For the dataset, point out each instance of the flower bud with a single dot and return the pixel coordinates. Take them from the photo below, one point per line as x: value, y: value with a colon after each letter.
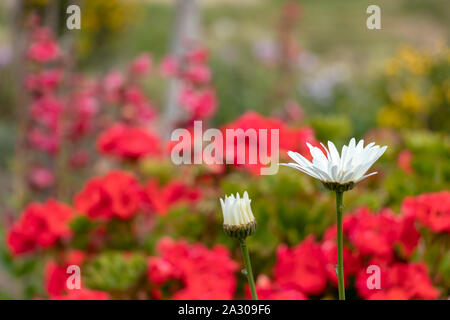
x: 238, y: 219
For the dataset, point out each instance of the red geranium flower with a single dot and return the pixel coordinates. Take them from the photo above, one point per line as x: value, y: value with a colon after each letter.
x: 205, y: 273
x: 398, y: 281
x: 301, y: 267
x: 118, y: 194
x: 432, y: 210
x: 289, y: 138
x: 56, y: 273
x: 40, y: 226
x: 161, y: 199
x: 377, y: 235
x: 128, y: 142
x: 352, y: 262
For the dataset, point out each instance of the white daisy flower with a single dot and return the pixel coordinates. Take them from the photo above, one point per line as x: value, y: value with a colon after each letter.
x: 338, y: 172
x: 238, y: 219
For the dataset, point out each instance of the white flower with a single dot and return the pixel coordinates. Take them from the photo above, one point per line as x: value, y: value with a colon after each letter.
x: 236, y: 210
x: 347, y: 169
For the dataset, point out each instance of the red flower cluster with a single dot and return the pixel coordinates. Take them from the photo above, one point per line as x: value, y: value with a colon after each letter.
x: 432, y: 210
x: 379, y: 235
x: 289, y: 138
x: 352, y: 261
x: 112, y: 86
x: 44, y: 81
x: 127, y: 142
x: 383, y: 239
x: 46, y: 112
x: 40, y: 226
x: 201, y: 104
x: 126, y: 92
x: 44, y: 47
x: 384, y: 236
x: 160, y: 199
x: 301, y: 267
x: 83, y: 107
x: 192, y: 67
x: 56, y: 275
x: 399, y: 281
x: 118, y: 194
x: 136, y: 108
x: 204, y: 273
x: 56, y: 116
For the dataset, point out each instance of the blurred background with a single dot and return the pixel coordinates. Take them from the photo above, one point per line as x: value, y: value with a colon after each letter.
x: 85, y: 121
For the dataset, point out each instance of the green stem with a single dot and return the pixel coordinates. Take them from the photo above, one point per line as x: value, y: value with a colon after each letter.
x: 340, y: 244
x: 248, y: 268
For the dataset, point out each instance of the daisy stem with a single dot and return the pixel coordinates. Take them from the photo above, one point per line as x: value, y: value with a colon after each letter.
x: 340, y: 265
x: 248, y: 268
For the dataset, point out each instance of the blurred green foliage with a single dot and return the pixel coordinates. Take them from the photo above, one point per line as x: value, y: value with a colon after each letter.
x: 115, y: 272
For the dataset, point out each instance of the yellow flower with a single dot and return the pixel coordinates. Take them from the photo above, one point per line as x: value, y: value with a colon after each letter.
x: 414, y: 61
x: 390, y: 116
x: 412, y: 100
x: 392, y: 67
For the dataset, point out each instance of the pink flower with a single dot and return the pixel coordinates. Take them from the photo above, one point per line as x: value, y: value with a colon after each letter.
x: 45, y: 140
x: 141, y: 65
x: 169, y: 66
x: 41, y: 178
x: 43, y: 48
x: 45, y: 81
x: 404, y: 161
x: 136, y: 106
x: 198, y: 73
x: 79, y: 158
x: 47, y: 110
x: 199, y: 56
x: 112, y: 85
x: 199, y: 104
